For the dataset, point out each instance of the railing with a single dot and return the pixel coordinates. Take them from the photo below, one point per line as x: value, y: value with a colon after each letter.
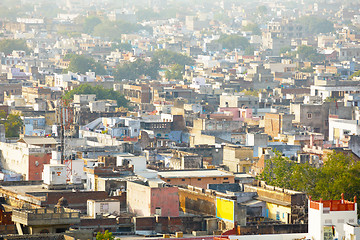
x: 46, y: 213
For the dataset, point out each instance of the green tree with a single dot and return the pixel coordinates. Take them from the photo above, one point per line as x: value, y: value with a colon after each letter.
x: 13, y: 124
x: 261, y: 10
x: 175, y: 72
x: 8, y: 45
x: 121, y: 46
x: 166, y: 57
x: 231, y: 42
x: 309, y: 53
x: 113, y: 30
x: 105, y: 236
x: 339, y: 174
x: 355, y: 74
x: 278, y: 171
x: 285, y: 49
x: 83, y: 64
x: 100, y: 92
x: 252, y: 27
x: 344, y: 175
x: 90, y: 23
x: 134, y: 70
x: 146, y: 15
x: 316, y: 25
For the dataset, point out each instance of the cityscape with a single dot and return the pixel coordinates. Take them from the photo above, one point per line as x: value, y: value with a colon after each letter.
x: 187, y: 119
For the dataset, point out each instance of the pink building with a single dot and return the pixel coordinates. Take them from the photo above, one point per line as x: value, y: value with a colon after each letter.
x: 149, y: 201
x: 238, y: 114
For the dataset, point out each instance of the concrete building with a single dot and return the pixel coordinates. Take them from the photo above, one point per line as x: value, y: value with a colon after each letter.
x: 238, y: 101
x: 144, y: 200
x: 238, y: 158
x: 340, y: 129
x: 101, y: 207
x: 116, y: 127
x: 278, y: 123
x: 44, y: 220
x: 137, y: 93
x: 282, y: 205
x: 34, y: 126
x: 316, y: 116
x: 333, y: 219
x: 27, y: 156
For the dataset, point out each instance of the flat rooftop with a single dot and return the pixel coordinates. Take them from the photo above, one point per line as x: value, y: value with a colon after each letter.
x: 194, y: 173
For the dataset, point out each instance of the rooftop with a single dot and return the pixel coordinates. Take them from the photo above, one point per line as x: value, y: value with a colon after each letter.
x: 334, y: 205
x: 194, y: 173
x: 38, y: 140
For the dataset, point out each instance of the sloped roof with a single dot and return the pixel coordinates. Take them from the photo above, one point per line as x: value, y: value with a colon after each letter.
x: 38, y: 140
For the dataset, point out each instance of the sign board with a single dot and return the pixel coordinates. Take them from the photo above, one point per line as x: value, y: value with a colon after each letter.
x: 225, y: 209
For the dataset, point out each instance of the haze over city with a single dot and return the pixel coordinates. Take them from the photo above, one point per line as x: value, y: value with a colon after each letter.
x: 187, y: 119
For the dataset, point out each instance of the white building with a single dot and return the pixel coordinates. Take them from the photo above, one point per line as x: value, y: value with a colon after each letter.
x: 54, y: 174
x: 333, y: 219
x: 341, y: 128
x: 100, y: 207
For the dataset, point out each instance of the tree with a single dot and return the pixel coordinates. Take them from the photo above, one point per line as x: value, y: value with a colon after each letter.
x: 12, y: 123
x: 339, y: 174
x: 316, y: 25
x: 121, y: 46
x: 166, y: 57
x: 134, y: 70
x: 285, y: 49
x: 90, y: 23
x: 175, y: 72
x: 252, y: 27
x: 8, y: 45
x: 261, y: 10
x: 309, y: 53
x: 146, y: 15
x: 355, y: 74
x: 231, y: 42
x: 100, y: 92
x: 105, y: 236
x: 83, y: 64
x: 277, y: 171
x: 113, y: 30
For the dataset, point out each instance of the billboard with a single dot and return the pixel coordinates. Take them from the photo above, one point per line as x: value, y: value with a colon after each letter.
x: 225, y: 209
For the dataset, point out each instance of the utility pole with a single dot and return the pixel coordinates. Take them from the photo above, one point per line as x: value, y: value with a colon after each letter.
x: 62, y: 132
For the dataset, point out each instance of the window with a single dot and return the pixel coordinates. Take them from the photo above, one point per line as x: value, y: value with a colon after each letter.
x: 168, y: 180
x: 183, y: 180
x: 328, y: 221
x: 214, y: 178
x: 199, y: 179
x: 278, y: 216
x: 309, y: 115
x: 104, y: 207
x: 225, y: 178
